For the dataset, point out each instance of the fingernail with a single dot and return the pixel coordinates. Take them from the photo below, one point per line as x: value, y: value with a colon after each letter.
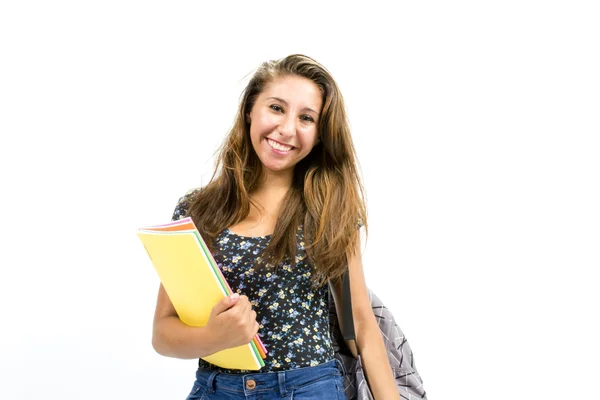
x: 235, y: 296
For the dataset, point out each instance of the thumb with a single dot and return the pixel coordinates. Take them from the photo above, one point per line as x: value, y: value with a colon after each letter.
x: 225, y: 303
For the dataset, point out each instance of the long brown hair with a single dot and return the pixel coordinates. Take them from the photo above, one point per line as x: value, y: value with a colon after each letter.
x: 326, y: 196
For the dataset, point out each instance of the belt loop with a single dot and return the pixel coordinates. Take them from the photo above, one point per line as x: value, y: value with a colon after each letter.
x: 341, y: 366
x: 282, y: 389
x: 210, y: 383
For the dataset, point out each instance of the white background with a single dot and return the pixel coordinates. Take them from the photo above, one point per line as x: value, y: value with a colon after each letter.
x: 476, y: 124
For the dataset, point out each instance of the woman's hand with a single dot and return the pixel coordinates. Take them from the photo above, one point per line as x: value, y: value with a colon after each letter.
x: 232, y: 322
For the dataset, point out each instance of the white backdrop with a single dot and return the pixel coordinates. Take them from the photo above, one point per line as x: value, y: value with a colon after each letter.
x: 476, y: 124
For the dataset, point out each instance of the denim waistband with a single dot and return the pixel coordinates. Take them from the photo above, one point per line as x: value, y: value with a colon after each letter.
x: 282, y: 381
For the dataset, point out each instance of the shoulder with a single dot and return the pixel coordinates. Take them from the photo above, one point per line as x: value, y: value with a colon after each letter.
x: 183, y: 204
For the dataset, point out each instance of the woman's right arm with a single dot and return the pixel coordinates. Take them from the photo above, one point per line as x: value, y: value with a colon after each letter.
x: 232, y: 323
x: 173, y: 338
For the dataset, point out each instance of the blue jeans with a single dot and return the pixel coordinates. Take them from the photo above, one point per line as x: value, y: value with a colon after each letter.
x: 323, y: 382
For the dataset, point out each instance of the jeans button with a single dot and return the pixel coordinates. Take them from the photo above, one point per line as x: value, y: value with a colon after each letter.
x: 250, y: 384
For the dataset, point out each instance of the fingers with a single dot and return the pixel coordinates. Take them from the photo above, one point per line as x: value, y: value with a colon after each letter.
x: 243, y: 309
x: 256, y: 328
x: 243, y: 306
x: 225, y: 304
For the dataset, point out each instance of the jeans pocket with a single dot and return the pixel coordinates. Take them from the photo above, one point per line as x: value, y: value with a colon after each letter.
x: 339, y: 381
x: 198, y: 391
x: 329, y: 387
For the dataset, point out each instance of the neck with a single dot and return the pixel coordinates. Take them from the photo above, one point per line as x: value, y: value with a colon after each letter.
x: 273, y: 188
x: 276, y: 182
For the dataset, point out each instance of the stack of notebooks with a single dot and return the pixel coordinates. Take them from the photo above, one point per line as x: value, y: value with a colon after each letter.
x: 195, y: 284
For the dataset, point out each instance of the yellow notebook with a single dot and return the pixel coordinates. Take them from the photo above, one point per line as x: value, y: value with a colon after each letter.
x: 195, y: 284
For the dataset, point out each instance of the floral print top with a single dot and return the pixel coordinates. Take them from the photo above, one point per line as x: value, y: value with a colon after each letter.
x: 293, y: 317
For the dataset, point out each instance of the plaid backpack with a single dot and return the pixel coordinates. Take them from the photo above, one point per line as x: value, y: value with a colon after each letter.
x: 408, y: 380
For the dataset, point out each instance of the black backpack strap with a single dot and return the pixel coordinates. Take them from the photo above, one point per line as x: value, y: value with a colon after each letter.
x: 348, y: 325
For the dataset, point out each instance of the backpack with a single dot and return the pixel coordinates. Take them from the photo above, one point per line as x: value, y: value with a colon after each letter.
x: 408, y: 380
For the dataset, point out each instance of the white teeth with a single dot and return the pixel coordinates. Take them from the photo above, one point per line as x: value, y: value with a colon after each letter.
x: 278, y: 146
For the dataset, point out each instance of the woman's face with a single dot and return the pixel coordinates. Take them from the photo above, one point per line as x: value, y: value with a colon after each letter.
x: 283, y: 122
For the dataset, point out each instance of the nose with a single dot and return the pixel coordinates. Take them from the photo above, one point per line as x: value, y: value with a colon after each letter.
x: 287, y: 126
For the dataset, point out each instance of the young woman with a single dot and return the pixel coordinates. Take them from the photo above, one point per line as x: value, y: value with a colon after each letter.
x: 281, y: 216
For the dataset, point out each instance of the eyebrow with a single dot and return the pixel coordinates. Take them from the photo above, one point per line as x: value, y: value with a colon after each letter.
x: 285, y: 102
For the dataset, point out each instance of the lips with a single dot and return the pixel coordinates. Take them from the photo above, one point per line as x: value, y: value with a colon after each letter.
x: 279, y: 146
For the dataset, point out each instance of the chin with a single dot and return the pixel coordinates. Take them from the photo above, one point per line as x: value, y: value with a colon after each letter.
x: 276, y: 167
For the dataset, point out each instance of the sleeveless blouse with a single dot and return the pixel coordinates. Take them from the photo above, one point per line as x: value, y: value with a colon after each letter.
x: 293, y: 316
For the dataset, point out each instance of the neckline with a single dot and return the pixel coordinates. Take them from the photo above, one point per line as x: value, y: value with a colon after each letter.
x: 231, y: 233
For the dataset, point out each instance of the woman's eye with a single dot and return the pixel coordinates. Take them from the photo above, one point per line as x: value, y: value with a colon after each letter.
x: 277, y: 108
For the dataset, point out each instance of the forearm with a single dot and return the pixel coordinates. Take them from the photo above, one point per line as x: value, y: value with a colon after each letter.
x: 173, y: 338
x: 375, y: 361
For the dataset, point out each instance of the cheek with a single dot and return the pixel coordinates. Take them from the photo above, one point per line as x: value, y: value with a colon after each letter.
x: 252, y: 133
x: 255, y: 135
x: 264, y: 121
x: 258, y: 126
x: 309, y: 138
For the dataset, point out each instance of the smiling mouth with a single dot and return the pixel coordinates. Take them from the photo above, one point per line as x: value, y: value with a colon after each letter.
x: 278, y: 146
